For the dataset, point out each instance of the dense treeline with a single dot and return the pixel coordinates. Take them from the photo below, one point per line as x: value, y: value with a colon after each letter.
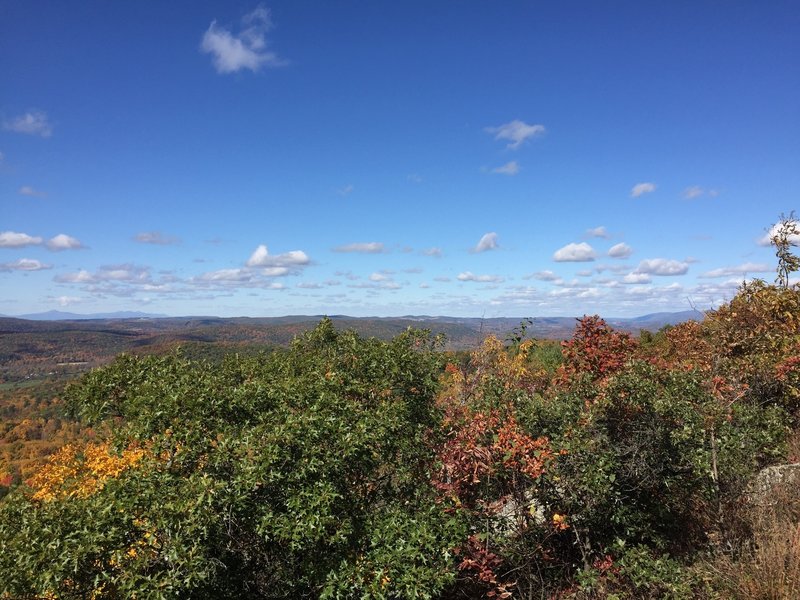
x: 611, y: 467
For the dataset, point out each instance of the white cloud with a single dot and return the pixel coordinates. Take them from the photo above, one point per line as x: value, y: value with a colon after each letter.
x: 262, y: 258
x: 155, y: 237
x: 692, y: 192
x: 81, y: 276
x: 435, y: 252
x: 24, y: 264
x: 362, y: 247
x: 510, y: 168
x: 227, y: 275
x: 442, y: 279
x: 636, y: 278
x: 124, y: 273
x: 487, y: 242
x: 247, y: 49
x: 642, y: 188
x: 33, y: 122
x: 738, y: 270
x: 543, y: 276
x: 27, y: 190
x: 621, y: 250
x: 63, y: 242
x: 582, y: 252
x: 597, y: 232
x: 573, y: 293
x: 662, y: 267
x: 67, y: 300
x: 516, y: 132
x: 379, y: 277
x: 415, y: 178
x: 469, y: 276
x: 376, y: 285
x: 347, y: 190
x: 766, y: 240
x: 12, y: 239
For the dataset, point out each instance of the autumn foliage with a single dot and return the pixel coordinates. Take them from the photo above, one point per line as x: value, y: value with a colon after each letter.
x: 595, y: 350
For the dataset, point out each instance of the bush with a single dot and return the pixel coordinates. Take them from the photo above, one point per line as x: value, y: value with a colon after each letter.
x: 301, y: 473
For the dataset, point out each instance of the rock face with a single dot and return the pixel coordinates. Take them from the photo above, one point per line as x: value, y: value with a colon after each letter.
x: 769, y: 477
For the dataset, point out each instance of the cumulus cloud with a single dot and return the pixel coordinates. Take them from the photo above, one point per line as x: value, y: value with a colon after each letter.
x: 435, y: 252
x: 376, y: 285
x: 738, y: 270
x: 33, y: 122
x: 12, y: 239
x: 546, y: 275
x: 82, y: 276
x: 67, y: 300
x: 582, y: 252
x: 766, y: 240
x: 27, y: 190
x: 573, y: 293
x: 262, y: 258
x: 414, y: 178
x: 63, y: 241
x: 487, y: 242
x: 597, y: 232
x: 123, y: 273
x: 245, y: 50
x: 227, y: 275
x: 155, y: 237
x: 636, y: 278
x: 642, y: 188
x: 621, y: 250
x: 380, y: 277
x: 510, y: 168
x: 361, y: 247
x: 469, y: 276
x: 662, y: 267
x: 24, y: 264
x: 516, y: 132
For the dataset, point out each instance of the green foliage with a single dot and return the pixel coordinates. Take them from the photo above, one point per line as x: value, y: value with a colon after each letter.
x: 636, y: 460
x: 638, y: 572
x: 304, y: 472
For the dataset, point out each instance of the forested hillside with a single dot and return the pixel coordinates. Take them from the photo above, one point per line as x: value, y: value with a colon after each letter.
x: 342, y: 466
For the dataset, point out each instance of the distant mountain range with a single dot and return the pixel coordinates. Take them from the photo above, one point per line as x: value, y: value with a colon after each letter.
x: 541, y: 325
x: 57, y: 315
x: 461, y: 331
x: 68, y: 344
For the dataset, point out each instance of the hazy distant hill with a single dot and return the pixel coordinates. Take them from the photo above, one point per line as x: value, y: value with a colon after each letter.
x: 57, y: 315
x: 51, y: 343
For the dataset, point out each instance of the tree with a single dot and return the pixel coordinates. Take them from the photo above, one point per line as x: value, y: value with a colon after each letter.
x: 784, y: 237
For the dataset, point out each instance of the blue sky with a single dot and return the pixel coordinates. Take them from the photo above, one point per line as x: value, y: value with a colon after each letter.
x: 374, y: 158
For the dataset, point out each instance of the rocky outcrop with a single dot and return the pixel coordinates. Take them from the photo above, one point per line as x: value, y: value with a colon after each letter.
x: 769, y: 477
